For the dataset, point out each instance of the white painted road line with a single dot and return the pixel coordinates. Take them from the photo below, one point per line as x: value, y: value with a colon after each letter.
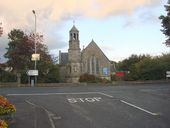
x: 105, y: 94
x: 35, y: 117
x: 82, y: 100
x: 151, y: 113
x: 44, y: 94
x: 48, y: 113
x: 47, y: 94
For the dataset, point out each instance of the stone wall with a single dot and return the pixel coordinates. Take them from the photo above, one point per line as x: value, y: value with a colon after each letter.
x: 92, y: 54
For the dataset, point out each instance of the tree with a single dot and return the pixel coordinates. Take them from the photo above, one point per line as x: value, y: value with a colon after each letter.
x: 146, y: 67
x: 165, y: 20
x: 1, y: 29
x: 128, y: 64
x: 19, y: 52
x: 47, y: 67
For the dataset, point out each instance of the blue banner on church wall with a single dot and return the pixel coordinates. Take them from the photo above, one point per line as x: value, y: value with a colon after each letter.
x: 105, y: 71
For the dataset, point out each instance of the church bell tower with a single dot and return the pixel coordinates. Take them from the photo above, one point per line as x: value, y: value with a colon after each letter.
x: 74, y: 56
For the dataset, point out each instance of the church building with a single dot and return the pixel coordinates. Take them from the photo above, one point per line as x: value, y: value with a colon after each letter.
x: 90, y: 60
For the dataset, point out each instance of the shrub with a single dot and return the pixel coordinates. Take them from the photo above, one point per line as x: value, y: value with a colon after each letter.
x: 3, y: 124
x: 92, y: 79
x: 104, y: 80
x: 5, y: 106
x: 87, y: 78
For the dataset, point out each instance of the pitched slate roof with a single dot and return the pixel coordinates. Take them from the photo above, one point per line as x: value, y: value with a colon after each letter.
x: 63, y: 58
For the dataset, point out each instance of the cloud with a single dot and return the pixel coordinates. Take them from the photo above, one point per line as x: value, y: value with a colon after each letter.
x: 18, y: 10
x: 107, y: 48
x: 18, y: 13
x: 3, y: 46
x: 52, y: 13
x: 149, y: 14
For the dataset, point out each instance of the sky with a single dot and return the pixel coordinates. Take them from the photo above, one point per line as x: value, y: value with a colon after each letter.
x: 119, y: 27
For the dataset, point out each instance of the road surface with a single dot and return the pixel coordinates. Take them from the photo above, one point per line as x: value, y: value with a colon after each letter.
x: 91, y: 106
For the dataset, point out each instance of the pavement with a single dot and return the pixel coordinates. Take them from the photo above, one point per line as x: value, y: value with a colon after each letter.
x: 91, y: 106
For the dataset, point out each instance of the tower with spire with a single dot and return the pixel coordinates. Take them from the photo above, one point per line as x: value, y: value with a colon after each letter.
x: 74, y: 56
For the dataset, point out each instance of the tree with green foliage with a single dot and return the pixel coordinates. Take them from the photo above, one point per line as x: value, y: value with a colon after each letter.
x: 146, y: 67
x: 165, y: 20
x: 128, y: 64
x: 7, y: 76
x: 19, y: 52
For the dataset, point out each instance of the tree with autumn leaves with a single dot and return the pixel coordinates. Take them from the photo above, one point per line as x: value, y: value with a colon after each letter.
x: 19, y: 52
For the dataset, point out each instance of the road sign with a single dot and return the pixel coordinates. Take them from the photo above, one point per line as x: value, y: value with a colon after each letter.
x: 32, y: 72
x: 167, y: 74
x: 35, y: 57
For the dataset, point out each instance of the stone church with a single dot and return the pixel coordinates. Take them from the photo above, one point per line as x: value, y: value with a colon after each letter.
x: 90, y: 60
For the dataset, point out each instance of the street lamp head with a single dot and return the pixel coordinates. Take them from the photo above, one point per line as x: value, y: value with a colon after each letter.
x: 33, y: 11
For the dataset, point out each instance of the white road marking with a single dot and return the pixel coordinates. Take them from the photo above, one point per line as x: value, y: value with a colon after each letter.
x: 74, y: 100
x: 48, y: 113
x: 31, y: 103
x: 35, y: 120
x: 44, y: 94
x: 105, y: 94
x: 132, y: 105
x: 88, y: 99
x: 57, y: 118
x: 74, y: 93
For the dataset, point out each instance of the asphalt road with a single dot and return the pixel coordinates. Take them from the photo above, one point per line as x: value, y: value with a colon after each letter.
x: 141, y: 106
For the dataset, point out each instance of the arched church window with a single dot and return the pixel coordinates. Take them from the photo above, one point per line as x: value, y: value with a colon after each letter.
x: 77, y: 36
x: 93, y: 66
x: 88, y: 65
x: 97, y: 66
x: 71, y: 35
x: 74, y: 36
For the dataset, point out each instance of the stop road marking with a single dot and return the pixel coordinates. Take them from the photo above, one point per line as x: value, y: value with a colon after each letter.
x: 75, y: 100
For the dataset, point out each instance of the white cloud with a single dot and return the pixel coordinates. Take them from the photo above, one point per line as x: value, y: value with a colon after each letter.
x: 52, y: 13
x: 17, y: 11
x: 107, y: 48
x: 3, y: 46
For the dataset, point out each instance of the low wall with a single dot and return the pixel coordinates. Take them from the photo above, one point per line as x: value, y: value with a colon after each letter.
x: 41, y: 84
x: 84, y: 84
